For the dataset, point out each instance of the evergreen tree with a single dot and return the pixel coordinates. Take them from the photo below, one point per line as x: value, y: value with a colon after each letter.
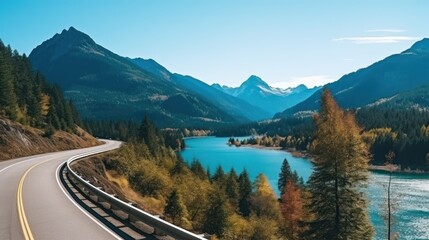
x: 216, y: 220
x: 7, y: 95
x: 27, y: 98
x: 198, y: 169
x: 148, y: 134
x: 245, y: 192
x: 285, y: 175
x: 219, y: 177
x: 232, y: 188
x: 179, y: 166
x: 339, y: 177
x: 175, y: 209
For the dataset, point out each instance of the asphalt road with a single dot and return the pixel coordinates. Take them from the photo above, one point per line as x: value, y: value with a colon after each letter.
x: 33, y: 205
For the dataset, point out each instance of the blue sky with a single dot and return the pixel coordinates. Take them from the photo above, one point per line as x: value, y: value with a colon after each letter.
x: 226, y: 41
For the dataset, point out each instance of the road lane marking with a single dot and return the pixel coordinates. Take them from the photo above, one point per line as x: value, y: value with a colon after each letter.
x: 44, y: 155
x: 20, y: 204
x: 17, y: 163
x: 57, y: 174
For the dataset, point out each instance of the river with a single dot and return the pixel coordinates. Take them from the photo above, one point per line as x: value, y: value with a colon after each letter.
x: 410, y: 192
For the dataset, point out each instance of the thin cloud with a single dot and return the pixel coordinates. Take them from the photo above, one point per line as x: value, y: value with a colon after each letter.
x: 375, y: 40
x: 386, y: 30
x: 309, y: 81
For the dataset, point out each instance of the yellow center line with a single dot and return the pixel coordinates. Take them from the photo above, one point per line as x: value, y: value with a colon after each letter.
x: 20, y: 204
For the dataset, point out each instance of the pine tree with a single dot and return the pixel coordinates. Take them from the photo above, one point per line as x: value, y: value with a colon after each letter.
x: 179, y: 166
x: 198, y: 169
x: 7, y: 95
x: 175, y: 209
x: 339, y: 177
x: 216, y: 220
x: 147, y: 134
x: 245, y: 192
x: 285, y: 175
x: 219, y: 177
x: 232, y: 188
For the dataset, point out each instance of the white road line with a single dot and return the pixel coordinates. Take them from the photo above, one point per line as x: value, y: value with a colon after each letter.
x: 57, y: 173
x: 17, y: 163
x: 32, y: 159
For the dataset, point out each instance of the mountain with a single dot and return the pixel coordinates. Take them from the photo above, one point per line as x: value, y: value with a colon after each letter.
x: 230, y: 104
x: 392, y: 75
x: 104, y: 85
x: 257, y: 92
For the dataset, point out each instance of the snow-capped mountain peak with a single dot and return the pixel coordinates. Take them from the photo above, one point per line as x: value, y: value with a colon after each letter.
x: 261, y: 94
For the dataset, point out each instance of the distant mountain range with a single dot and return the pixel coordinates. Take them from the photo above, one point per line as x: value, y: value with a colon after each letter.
x: 104, y: 85
x: 384, y: 79
x: 257, y: 92
x: 230, y: 104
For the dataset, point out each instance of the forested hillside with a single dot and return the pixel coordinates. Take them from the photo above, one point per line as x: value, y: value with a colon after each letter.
x: 31, y: 112
x: 27, y: 98
x: 222, y: 203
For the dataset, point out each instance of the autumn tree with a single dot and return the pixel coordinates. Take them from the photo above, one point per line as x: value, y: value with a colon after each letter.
x: 264, y: 201
x: 340, y: 174
x: 265, y: 210
x: 291, y: 207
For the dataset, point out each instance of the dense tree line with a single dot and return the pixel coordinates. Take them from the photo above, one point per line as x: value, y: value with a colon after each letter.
x: 402, y: 131
x: 301, y: 143
x: 294, y: 126
x: 26, y: 97
x: 114, y: 129
x: 128, y: 131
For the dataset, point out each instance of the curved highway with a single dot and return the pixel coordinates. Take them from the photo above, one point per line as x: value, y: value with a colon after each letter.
x: 33, y: 205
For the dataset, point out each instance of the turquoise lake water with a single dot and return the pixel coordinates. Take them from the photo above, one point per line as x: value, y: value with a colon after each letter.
x: 410, y: 192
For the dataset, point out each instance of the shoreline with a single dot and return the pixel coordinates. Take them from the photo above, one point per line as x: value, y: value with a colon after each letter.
x: 309, y: 157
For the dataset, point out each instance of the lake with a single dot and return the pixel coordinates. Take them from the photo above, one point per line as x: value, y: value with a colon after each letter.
x: 410, y: 192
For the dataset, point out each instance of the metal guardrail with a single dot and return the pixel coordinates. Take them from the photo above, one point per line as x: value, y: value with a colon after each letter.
x: 134, y: 214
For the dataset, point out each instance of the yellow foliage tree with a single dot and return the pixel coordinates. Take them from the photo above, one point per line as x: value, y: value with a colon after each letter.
x: 264, y: 200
